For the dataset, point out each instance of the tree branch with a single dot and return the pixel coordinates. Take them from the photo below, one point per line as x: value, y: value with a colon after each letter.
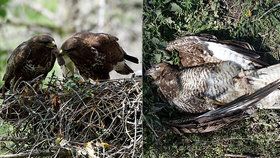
x: 22, y: 155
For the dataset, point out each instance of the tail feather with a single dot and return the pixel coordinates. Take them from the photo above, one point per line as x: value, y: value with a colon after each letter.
x: 263, y: 76
x: 123, y: 68
x: 215, y: 119
x: 131, y: 58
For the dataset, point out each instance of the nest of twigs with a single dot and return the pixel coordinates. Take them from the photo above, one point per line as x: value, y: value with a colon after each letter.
x: 70, y: 118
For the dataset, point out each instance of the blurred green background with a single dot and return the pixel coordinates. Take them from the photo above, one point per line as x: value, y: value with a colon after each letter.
x: 254, y: 21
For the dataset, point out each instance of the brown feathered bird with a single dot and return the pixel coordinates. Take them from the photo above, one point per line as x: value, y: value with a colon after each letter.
x: 222, y: 91
x: 203, y: 88
x: 199, y: 50
x: 96, y: 54
x: 31, y: 59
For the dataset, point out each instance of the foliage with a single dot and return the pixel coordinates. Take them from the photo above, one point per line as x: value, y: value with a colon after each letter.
x: 3, y: 11
x: 256, y: 22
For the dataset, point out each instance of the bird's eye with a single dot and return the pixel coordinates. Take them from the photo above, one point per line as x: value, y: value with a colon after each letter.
x: 157, y: 67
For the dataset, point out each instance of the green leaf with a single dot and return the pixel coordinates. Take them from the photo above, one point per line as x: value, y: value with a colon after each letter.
x: 176, y: 8
x: 158, y: 57
x: 169, y: 20
x: 3, y: 12
x: 155, y: 40
x: 166, y: 1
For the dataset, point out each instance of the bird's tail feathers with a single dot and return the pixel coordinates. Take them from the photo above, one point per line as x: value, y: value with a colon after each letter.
x: 123, y: 68
x: 264, y: 76
x: 131, y: 58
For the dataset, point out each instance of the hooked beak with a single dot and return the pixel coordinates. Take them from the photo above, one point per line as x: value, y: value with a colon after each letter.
x: 59, y: 57
x: 61, y: 52
x: 52, y: 45
x: 149, y: 72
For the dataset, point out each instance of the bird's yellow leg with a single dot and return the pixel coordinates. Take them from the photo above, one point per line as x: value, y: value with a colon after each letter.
x: 218, y: 103
x: 214, y: 102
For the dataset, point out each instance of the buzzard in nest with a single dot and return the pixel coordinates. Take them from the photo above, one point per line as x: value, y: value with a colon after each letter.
x: 213, y: 86
x: 96, y: 54
x: 198, y: 50
x: 31, y: 59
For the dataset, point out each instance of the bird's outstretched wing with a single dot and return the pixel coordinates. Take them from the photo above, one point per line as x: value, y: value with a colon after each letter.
x: 220, y: 117
x: 198, y: 50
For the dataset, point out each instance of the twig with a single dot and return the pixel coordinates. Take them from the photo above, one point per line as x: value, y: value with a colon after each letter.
x: 236, y: 156
x: 23, y: 155
x: 107, y: 112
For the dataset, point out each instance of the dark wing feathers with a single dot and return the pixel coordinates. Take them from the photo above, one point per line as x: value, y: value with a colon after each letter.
x: 123, y: 68
x: 104, y: 38
x: 248, y: 54
x: 16, y: 60
x: 131, y: 58
x: 97, y: 54
x: 242, y: 103
x: 29, y: 60
x: 90, y: 38
x: 238, y: 44
x: 203, y: 42
x: 224, y: 115
x: 240, y: 47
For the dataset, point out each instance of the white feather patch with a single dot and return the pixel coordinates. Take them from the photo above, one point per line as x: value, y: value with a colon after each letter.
x: 225, y: 54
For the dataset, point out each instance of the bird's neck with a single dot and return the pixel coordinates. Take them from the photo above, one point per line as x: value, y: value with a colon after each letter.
x: 168, y: 84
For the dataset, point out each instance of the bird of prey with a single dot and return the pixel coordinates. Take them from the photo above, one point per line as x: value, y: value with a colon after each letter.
x: 198, y: 50
x: 203, y: 88
x: 96, y: 54
x: 31, y: 59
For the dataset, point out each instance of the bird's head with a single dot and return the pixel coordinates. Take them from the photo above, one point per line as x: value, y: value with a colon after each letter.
x: 69, y: 45
x: 44, y: 39
x: 158, y: 70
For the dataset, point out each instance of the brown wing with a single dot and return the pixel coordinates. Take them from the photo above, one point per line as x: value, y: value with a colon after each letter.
x: 198, y: 50
x: 108, y: 54
x: 96, y: 39
x: 223, y: 116
x: 191, y: 52
x: 16, y: 61
x: 108, y: 41
x: 30, y: 60
x: 103, y: 43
